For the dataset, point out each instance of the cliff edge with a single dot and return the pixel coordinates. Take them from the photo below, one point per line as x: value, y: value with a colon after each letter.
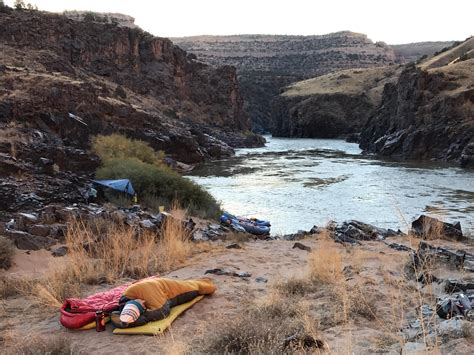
x: 429, y: 112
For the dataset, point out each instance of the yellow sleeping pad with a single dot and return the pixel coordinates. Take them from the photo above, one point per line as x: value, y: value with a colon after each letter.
x: 159, y: 326
x: 91, y: 325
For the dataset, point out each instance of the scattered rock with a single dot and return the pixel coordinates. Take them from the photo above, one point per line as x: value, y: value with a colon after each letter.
x: 453, y: 285
x: 218, y: 271
x: 40, y: 230
x: 414, y: 348
x: 458, y: 258
x: 426, y: 277
x: 261, y: 279
x: 301, y: 246
x: 234, y: 246
x: 60, y: 251
x: 147, y: 224
x: 342, y: 238
x: 244, y: 274
x: 26, y: 241
x: 302, y: 234
x: 400, y: 247
x: 426, y: 311
x: 451, y: 328
x: 363, y: 231
x: 211, y: 232
x: 28, y: 217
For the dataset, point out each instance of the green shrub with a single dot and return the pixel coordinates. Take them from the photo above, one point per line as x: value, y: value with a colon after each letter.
x: 118, y: 146
x: 154, y: 182
x: 6, y: 253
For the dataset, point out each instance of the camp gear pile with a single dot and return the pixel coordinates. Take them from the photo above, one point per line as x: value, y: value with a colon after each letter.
x: 250, y: 225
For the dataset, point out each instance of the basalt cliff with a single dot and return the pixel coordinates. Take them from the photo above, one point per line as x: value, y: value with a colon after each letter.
x: 332, y: 105
x: 63, y: 81
x: 429, y: 112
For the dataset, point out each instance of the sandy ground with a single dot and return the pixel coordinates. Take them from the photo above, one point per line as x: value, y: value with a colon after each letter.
x: 373, y: 265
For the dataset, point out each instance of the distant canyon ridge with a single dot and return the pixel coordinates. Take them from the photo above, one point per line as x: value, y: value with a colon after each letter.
x: 266, y: 64
x: 409, y: 101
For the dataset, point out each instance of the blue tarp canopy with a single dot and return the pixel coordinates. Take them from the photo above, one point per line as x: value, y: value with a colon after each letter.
x: 124, y: 185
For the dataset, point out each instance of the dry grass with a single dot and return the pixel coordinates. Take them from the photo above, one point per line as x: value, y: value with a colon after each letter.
x: 102, y: 252
x: 17, y: 344
x: 174, y: 246
x: 381, y: 301
x: 294, y: 287
x: 325, y: 262
x: 239, y: 237
x: 7, y: 251
x: 265, y: 328
x: 10, y: 287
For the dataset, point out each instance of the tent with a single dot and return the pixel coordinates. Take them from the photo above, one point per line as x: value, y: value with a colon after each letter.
x: 124, y: 185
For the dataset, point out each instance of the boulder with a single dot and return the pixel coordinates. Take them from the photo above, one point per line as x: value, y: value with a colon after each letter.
x: 301, y: 246
x: 427, y: 227
x: 457, y: 258
x: 60, y: 251
x: 40, y: 230
x: 361, y: 231
x: 26, y: 241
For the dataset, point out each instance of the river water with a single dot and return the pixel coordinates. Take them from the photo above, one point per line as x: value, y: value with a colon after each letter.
x: 298, y: 183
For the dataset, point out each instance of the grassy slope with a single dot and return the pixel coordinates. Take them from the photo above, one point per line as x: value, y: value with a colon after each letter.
x: 450, y: 56
x: 349, y: 81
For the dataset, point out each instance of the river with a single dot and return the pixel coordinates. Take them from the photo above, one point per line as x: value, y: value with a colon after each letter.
x: 298, y: 183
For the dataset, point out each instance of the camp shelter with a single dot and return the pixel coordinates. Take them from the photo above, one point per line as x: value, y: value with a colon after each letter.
x: 123, y: 185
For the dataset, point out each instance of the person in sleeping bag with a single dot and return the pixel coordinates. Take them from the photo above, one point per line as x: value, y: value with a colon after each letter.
x: 152, y: 299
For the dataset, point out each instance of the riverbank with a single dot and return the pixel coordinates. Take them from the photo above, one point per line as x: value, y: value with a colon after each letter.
x: 296, y: 183
x: 328, y: 297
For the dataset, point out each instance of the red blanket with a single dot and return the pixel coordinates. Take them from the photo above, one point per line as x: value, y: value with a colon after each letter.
x: 76, y: 313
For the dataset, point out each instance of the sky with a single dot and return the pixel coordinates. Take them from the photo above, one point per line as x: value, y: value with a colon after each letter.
x: 394, y: 22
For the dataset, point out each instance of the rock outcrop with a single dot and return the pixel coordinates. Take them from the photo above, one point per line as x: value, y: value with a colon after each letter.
x: 332, y: 105
x: 115, y: 78
x: 429, y: 112
x: 266, y: 64
x: 63, y: 81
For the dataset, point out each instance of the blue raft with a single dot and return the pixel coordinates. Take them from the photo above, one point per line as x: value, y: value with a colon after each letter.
x: 249, y: 225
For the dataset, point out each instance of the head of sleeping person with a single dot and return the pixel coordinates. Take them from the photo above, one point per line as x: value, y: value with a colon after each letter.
x: 132, y: 311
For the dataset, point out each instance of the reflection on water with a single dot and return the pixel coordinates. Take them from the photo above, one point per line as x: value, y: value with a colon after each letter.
x: 297, y: 183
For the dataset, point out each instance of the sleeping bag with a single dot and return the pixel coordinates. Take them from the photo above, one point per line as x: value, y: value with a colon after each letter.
x: 76, y: 313
x: 159, y: 294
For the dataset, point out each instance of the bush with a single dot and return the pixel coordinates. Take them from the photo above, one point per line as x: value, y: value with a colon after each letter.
x: 6, y: 253
x: 118, y: 146
x: 155, y: 183
x: 19, y: 4
x: 165, y: 184
x: 278, y: 326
